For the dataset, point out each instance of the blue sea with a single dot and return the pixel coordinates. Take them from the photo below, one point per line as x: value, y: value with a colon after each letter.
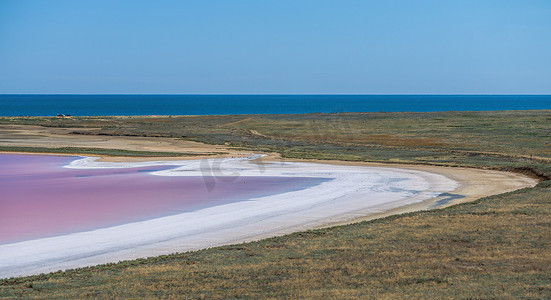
x: 127, y: 105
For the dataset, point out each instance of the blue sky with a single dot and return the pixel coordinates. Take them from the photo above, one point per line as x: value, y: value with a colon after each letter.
x: 276, y: 47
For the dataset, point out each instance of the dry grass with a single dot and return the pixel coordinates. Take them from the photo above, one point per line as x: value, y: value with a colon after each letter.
x: 497, y: 247
x: 412, y: 136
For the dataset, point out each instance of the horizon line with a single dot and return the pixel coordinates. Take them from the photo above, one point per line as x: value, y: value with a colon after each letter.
x: 261, y: 94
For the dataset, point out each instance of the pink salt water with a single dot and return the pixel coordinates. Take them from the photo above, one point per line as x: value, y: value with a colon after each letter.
x: 39, y: 198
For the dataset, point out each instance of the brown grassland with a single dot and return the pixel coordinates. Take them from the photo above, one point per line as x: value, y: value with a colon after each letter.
x: 495, y: 247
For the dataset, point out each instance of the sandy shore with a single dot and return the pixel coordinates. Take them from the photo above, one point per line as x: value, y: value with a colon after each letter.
x: 356, y: 191
x: 51, y: 137
x: 351, y: 193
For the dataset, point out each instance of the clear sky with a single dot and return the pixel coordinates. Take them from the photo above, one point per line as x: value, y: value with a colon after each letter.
x: 279, y: 46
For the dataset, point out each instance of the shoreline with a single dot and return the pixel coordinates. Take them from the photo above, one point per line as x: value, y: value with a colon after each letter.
x: 468, y: 185
x: 472, y: 183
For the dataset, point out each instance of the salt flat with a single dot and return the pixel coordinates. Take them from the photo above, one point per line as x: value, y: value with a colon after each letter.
x: 349, y: 193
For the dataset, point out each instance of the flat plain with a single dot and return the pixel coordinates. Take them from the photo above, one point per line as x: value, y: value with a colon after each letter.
x: 497, y: 246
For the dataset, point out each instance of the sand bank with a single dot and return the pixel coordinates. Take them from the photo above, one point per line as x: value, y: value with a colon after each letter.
x: 52, y: 137
x: 353, y: 192
x: 356, y: 191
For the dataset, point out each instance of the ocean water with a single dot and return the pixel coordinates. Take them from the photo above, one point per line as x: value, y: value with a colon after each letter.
x: 126, y: 105
x: 39, y: 198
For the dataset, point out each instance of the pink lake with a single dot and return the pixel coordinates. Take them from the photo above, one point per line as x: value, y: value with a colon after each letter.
x: 40, y: 198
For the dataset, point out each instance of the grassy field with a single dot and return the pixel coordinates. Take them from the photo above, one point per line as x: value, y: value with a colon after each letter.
x: 496, y: 247
x: 435, y: 138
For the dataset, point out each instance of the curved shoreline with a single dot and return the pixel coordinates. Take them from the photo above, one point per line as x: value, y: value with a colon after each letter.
x: 333, y: 200
x: 277, y: 215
